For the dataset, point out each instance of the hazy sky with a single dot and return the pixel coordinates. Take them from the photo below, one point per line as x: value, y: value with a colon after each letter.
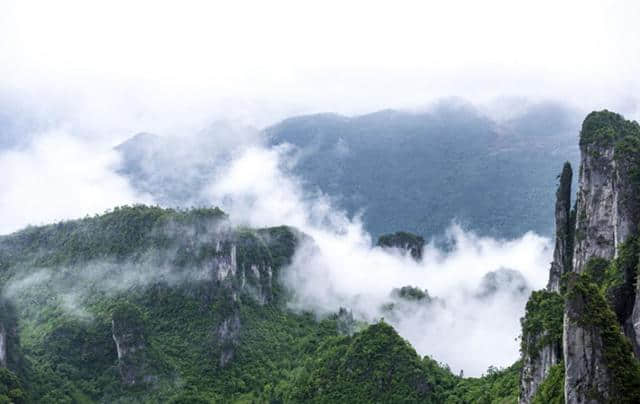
x: 259, y: 61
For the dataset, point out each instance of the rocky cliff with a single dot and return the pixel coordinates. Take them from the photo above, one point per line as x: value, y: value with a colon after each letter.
x: 541, y: 344
x: 606, y: 207
x: 565, y: 222
x: 3, y: 346
x: 131, y: 344
x: 587, y: 375
x: 607, y: 217
x: 10, y: 352
x: 158, y: 292
x: 594, y: 268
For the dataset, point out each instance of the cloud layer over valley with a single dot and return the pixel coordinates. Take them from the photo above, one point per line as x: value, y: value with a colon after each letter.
x: 78, y: 82
x: 70, y: 176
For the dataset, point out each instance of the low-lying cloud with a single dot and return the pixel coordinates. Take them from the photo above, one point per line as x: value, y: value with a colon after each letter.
x: 478, y: 285
x: 481, y: 284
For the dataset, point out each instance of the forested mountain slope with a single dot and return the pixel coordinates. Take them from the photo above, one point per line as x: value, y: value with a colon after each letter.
x: 144, y: 304
x: 420, y: 171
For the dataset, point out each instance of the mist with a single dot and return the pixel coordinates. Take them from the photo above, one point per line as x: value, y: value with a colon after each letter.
x: 57, y: 176
x: 74, y: 89
x: 234, y: 168
x: 480, y: 285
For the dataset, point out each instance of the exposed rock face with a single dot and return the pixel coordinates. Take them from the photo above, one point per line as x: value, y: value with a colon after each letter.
x: 605, y: 209
x: 632, y: 327
x: 244, y: 265
x: 607, y: 216
x: 537, y: 363
x: 227, y: 333
x: 408, y: 242
x: 243, y: 269
x: 10, y: 352
x: 535, y: 369
x: 541, y: 344
x: 597, y: 241
x: 3, y: 346
x: 128, y: 334
x: 596, y: 230
x: 563, y: 251
x: 587, y: 377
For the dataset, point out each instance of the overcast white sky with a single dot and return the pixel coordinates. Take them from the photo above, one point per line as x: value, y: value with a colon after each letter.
x: 261, y: 60
x: 98, y: 72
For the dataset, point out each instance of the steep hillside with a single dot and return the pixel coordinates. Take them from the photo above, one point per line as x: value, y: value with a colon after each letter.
x: 144, y: 304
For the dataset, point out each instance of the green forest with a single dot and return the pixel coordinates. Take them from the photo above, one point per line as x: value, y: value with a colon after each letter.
x: 63, y: 314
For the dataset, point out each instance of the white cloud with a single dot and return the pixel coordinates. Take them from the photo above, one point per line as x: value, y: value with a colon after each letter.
x: 105, y: 72
x: 341, y: 269
x: 260, y: 61
x: 59, y: 176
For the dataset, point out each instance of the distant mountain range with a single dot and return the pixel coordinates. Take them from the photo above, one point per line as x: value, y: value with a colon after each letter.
x: 414, y: 171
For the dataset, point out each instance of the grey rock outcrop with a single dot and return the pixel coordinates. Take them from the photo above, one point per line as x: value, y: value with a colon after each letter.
x: 129, y: 336
x: 587, y: 378
x: 596, y: 208
x: 243, y: 269
x: 596, y: 328
x: 536, y: 368
x: 565, y: 222
x: 536, y: 365
x: 3, y: 346
x: 541, y: 343
x: 606, y: 216
x: 233, y: 270
x: 227, y: 334
x: 10, y: 351
x: 633, y: 324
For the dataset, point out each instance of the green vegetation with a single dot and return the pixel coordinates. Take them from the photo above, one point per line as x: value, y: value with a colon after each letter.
x: 374, y: 365
x: 619, y: 283
x: 617, y: 278
x: 595, y: 314
x: 143, y: 274
x: 141, y: 267
x: 542, y: 322
x: 405, y: 241
x: 420, y: 171
x: 551, y: 390
x: 596, y: 269
x: 411, y: 293
x: 11, y: 389
x: 497, y: 386
x: 605, y: 128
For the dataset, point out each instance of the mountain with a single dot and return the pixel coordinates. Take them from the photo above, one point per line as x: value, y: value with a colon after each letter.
x: 143, y: 304
x: 411, y: 171
x: 176, y: 170
x: 581, y: 336
x: 420, y: 171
